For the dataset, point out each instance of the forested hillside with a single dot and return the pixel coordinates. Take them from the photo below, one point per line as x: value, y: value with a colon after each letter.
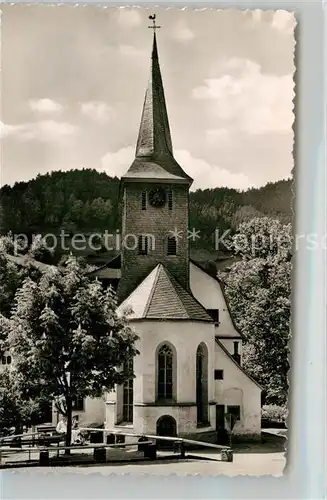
x: 87, y: 201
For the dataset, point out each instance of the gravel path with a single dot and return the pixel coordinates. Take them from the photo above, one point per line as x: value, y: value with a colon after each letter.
x: 254, y: 464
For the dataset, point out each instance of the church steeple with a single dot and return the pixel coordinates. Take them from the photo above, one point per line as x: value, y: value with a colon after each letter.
x: 155, y: 194
x: 154, y: 157
x: 154, y: 138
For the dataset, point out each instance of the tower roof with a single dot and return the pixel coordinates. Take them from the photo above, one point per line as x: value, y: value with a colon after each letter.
x: 154, y: 134
x: 154, y: 157
x: 160, y: 296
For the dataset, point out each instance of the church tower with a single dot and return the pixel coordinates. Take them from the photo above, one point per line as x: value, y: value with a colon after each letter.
x: 155, y: 196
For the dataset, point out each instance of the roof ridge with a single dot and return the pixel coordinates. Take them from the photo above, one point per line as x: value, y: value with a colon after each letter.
x: 224, y: 295
x: 235, y: 362
x: 103, y: 266
x: 148, y: 303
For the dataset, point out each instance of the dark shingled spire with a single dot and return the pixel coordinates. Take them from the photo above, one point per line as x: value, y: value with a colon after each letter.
x: 154, y: 158
x: 154, y: 135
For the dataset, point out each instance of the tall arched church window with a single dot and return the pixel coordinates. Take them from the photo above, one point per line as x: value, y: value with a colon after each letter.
x: 202, y: 384
x: 128, y: 396
x: 165, y: 372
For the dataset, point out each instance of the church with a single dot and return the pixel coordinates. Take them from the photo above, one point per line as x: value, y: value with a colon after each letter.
x: 189, y: 379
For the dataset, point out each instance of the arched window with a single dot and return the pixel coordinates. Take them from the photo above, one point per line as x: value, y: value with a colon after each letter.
x: 165, y: 372
x: 128, y: 396
x: 171, y: 245
x: 202, y: 383
x: 143, y: 244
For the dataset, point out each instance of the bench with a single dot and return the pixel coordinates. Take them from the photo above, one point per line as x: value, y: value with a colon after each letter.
x: 45, y: 428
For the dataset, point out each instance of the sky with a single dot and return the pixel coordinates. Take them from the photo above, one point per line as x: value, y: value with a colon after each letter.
x: 73, y: 82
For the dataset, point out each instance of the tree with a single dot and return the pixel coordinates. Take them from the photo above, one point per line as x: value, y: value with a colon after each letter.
x: 258, y: 288
x: 11, y: 275
x: 40, y: 250
x: 10, y: 403
x: 67, y: 339
x: 16, y: 409
x: 11, y: 278
x: 100, y: 211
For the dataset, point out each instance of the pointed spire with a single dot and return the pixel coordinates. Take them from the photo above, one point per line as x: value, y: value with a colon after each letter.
x: 154, y: 151
x: 154, y: 138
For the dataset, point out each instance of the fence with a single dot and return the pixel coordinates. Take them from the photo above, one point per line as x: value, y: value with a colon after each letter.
x: 145, y: 442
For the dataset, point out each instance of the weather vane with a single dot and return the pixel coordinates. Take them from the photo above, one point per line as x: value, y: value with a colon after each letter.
x: 154, y: 26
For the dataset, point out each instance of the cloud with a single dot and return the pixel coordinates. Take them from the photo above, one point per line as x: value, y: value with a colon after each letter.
x: 284, y: 21
x: 256, y: 15
x: 128, y: 18
x: 42, y: 131
x: 208, y: 175
x: 45, y: 106
x: 217, y: 136
x: 281, y: 20
x: 97, y: 111
x: 133, y: 53
x: 182, y: 32
x: 205, y: 175
x: 248, y: 99
x: 117, y: 163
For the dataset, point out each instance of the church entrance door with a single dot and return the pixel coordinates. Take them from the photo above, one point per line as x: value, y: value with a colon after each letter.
x: 166, y: 426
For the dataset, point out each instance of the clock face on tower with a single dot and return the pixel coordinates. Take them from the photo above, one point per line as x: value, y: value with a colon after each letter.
x: 157, y: 197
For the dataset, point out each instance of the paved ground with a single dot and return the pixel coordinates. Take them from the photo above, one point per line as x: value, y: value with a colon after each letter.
x: 244, y: 464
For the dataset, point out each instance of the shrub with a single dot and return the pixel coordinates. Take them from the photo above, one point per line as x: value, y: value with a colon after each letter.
x: 274, y: 413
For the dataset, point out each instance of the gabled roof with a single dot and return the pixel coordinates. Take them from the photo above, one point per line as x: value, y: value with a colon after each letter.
x: 27, y: 261
x: 223, y: 348
x: 110, y: 270
x: 160, y: 296
x: 222, y: 287
x: 154, y: 157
